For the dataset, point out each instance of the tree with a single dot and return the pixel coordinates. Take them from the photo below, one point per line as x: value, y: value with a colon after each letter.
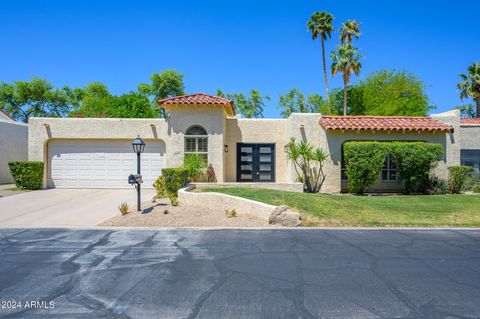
x: 37, y: 97
x: 354, y: 98
x: 467, y: 111
x: 348, y: 30
x: 250, y: 106
x: 321, y: 25
x: 163, y: 85
x: 470, y: 85
x: 95, y: 100
x: 346, y: 60
x: 295, y: 102
x: 391, y: 93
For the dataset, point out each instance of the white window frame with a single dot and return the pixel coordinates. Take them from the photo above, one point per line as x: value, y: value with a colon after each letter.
x: 196, y: 139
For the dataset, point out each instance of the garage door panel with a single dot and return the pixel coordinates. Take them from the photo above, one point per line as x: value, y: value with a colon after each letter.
x: 101, y: 164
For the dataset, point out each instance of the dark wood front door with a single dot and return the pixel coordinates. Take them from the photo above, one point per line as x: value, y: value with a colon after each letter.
x: 255, y: 162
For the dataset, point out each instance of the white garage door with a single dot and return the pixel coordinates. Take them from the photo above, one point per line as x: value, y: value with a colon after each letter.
x: 102, y: 164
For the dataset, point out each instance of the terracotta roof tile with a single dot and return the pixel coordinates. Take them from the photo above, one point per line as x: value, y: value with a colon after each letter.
x: 470, y: 121
x: 383, y: 123
x: 198, y: 98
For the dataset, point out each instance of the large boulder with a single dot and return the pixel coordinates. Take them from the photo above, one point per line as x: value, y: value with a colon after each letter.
x: 283, y: 215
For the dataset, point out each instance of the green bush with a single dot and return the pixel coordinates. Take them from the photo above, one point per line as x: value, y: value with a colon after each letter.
x: 159, y: 185
x: 436, y: 186
x: 195, y: 165
x: 476, y: 188
x: 364, y: 161
x: 457, y: 178
x: 473, y: 180
x: 414, y: 161
x: 173, y: 180
x: 27, y: 174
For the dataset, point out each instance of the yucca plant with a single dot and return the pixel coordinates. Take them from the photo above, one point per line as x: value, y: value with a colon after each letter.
x: 123, y: 208
x: 308, y: 163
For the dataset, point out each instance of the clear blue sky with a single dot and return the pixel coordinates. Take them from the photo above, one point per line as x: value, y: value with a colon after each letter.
x: 232, y: 45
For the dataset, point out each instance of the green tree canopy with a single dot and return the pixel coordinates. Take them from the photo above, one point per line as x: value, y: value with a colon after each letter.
x: 163, y: 85
x: 95, y: 100
x: 388, y: 92
x: 37, y: 97
x: 249, y: 106
x: 470, y: 85
x: 295, y: 102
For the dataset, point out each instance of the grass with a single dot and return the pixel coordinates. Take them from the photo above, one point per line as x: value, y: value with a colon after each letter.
x: 370, y: 211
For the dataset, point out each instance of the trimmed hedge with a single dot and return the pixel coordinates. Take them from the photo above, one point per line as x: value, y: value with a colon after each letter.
x: 173, y: 180
x: 364, y: 161
x: 457, y: 178
x: 413, y: 160
x: 27, y: 174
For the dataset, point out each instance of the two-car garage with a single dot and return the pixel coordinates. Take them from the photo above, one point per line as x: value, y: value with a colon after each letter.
x: 101, y: 163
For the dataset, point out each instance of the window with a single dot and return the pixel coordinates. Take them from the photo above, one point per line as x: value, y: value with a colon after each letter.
x: 389, y: 170
x: 196, y: 142
x: 470, y: 158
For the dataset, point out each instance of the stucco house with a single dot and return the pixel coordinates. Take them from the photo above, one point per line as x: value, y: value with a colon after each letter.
x: 96, y: 152
x: 13, y: 144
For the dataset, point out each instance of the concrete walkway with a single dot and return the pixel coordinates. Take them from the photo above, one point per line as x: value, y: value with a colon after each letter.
x: 65, y: 207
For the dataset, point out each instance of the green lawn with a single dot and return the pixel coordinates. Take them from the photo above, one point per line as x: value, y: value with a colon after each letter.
x: 371, y: 211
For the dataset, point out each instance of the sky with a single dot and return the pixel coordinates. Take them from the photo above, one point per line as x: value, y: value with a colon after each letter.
x: 233, y: 45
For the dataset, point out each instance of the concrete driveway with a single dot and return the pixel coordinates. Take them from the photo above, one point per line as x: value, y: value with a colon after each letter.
x: 240, y: 274
x: 65, y: 207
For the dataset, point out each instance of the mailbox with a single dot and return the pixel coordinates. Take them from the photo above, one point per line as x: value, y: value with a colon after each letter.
x: 135, y: 179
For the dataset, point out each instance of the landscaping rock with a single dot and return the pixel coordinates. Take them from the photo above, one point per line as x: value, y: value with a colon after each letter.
x: 283, y: 215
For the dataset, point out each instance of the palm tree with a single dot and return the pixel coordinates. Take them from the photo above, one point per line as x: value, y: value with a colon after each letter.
x: 321, y: 25
x: 470, y: 85
x: 346, y: 60
x: 348, y: 30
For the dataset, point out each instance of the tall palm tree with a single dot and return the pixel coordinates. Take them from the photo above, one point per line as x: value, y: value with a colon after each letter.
x: 470, y: 85
x: 346, y: 60
x: 321, y: 25
x: 348, y: 30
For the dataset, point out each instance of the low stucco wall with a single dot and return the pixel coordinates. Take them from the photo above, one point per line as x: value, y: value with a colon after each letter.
x: 290, y: 187
x: 224, y: 202
x: 13, y: 147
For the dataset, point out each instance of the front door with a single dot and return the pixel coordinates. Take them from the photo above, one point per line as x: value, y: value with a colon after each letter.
x: 255, y: 162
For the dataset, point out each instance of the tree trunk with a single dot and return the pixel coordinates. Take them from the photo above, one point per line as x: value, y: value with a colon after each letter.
x: 325, y: 74
x: 345, y: 87
x: 477, y: 102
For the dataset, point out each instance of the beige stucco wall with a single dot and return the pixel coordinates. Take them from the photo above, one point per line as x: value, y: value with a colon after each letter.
x: 255, y: 131
x: 470, y: 137
x: 13, y: 146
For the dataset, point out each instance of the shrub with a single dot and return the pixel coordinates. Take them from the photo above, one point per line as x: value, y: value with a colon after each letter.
x: 159, y: 185
x: 364, y: 161
x: 231, y: 213
x: 308, y: 163
x: 123, y: 208
x: 195, y: 165
x: 457, y: 178
x: 27, y: 174
x: 173, y: 180
x: 476, y: 188
x: 211, y: 174
x: 436, y: 186
x: 473, y: 179
x: 414, y: 160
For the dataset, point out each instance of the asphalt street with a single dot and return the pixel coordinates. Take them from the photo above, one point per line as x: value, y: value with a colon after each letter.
x: 274, y: 273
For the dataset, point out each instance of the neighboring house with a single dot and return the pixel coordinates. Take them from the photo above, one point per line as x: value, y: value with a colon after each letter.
x: 96, y: 153
x: 13, y: 144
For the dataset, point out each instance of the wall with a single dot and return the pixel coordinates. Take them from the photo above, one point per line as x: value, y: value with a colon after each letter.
x: 470, y: 137
x: 255, y: 131
x: 13, y: 146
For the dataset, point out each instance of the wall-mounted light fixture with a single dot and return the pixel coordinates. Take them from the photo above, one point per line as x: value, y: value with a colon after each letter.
x: 285, y: 148
x: 225, y: 147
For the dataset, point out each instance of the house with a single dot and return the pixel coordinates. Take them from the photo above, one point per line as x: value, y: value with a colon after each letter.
x: 96, y: 152
x: 13, y: 144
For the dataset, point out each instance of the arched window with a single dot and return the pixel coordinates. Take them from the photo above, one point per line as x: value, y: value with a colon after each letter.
x: 196, y: 142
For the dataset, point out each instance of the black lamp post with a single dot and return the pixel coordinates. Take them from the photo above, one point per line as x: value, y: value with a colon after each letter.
x: 138, y: 147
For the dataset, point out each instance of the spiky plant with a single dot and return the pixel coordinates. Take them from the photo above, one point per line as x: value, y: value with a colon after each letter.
x: 349, y: 30
x: 469, y: 87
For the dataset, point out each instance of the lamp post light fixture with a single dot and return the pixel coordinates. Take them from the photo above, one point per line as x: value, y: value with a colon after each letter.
x: 138, y: 146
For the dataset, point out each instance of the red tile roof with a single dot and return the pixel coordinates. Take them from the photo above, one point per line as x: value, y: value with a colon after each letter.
x: 196, y: 99
x: 470, y: 121
x: 383, y: 123
x: 8, y: 115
